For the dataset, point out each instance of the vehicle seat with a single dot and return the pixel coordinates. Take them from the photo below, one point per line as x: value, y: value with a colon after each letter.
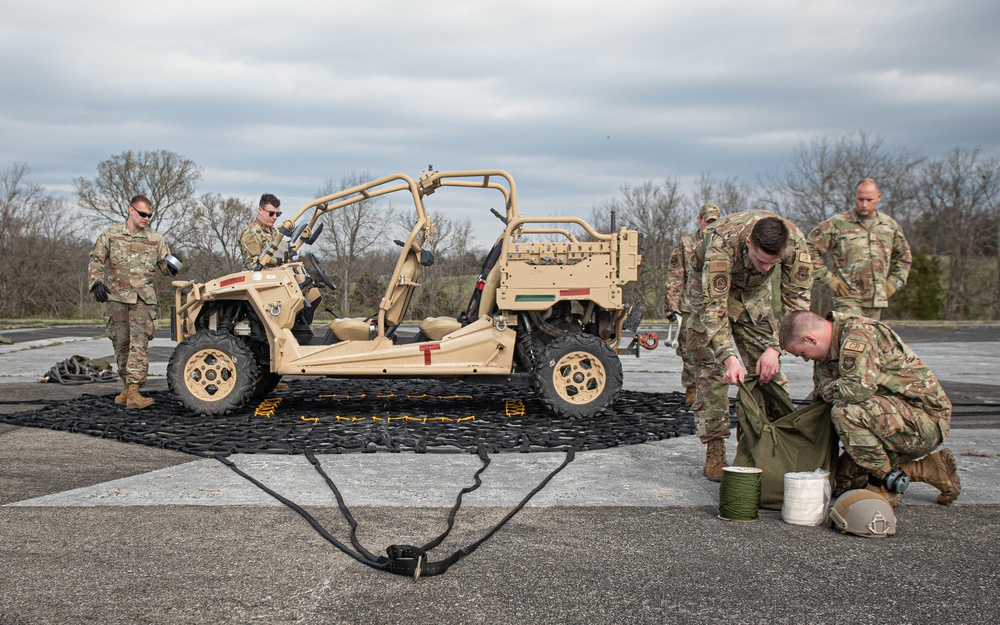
x: 354, y: 329
x: 436, y: 328
x: 394, y: 304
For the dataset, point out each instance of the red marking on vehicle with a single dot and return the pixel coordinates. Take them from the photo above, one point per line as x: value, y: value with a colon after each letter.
x: 573, y: 292
x: 427, y: 349
x: 236, y: 280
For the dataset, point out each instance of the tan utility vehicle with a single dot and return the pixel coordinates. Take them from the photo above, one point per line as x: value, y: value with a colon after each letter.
x: 547, y: 309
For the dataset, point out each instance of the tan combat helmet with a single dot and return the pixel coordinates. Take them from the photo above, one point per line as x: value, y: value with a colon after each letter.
x: 864, y: 513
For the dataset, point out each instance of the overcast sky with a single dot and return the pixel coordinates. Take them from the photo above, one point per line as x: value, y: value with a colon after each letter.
x: 574, y: 98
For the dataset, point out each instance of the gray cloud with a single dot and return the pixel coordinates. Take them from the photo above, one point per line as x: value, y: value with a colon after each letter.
x: 574, y: 98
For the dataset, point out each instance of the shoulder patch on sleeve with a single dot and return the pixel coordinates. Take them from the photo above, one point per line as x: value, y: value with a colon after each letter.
x: 854, y: 346
x: 804, y: 257
x: 720, y: 282
x: 717, y: 266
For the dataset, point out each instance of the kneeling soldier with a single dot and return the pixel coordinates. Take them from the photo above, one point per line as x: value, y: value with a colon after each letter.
x: 888, y: 408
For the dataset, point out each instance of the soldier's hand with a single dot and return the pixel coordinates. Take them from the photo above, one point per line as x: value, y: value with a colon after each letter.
x: 890, y: 288
x: 735, y: 373
x: 671, y: 316
x: 839, y: 287
x: 100, y: 291
x: 769, y: 365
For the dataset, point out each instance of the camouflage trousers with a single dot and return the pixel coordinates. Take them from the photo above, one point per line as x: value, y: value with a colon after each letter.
x: 130, y: 327
x: 711, y: 404
x: 689, y: 370
x: 882, y: 432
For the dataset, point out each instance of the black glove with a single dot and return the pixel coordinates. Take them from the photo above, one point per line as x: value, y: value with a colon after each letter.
x: 100, y: 292
x: 671, y: 316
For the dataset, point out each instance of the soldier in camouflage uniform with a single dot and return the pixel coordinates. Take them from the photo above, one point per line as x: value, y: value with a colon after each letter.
x: 735, y: 304
x: 887, y: 406
x: 871, y: 258
x: 677, y: 299
x: 256, y: 237
x: 131, y: 251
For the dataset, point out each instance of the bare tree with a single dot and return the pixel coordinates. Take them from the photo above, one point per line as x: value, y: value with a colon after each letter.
x: 448, y: 283
x: 660, y: 214
x: 166, y: 178
x: 41, y: 256
x: 961, y: 223
x: 726, y: 193
x: 353, y: 231
x: 211, y: 241
x: 822, y: 177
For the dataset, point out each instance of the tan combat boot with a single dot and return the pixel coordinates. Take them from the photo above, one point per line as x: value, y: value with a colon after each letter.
x: 689, y: 396
x: 122, y: 398
x: 937, y: 469
x: 894, y: 499
x: 135, y: 400
x: 715, y: 459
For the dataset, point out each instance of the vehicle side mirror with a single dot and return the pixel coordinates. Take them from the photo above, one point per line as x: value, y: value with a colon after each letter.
x: 315, y: 234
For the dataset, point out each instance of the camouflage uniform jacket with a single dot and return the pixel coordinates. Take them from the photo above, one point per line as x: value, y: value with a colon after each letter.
x: 131, y: 258
x: 866, y: 258
x: 253, y: 240
x: 867, y: 358
x: 732, y: 290
x: 680, y: 272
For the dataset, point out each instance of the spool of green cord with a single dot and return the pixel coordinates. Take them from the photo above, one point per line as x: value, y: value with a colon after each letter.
x: 739, y: 493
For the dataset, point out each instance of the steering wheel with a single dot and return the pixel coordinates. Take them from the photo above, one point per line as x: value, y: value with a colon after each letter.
x: 316, y: 268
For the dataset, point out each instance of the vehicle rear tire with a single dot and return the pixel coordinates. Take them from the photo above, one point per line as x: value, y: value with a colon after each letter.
x: 578, y: 376
x: 212, y: 372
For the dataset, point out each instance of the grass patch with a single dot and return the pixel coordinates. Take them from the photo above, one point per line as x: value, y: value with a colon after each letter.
x: 25, y: 324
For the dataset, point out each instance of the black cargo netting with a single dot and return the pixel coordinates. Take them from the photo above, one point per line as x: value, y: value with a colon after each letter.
x: 337, y: 416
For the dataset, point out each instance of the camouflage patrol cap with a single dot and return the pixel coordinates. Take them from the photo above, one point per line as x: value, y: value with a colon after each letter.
x: 863, y: 513
x: 709, y: 212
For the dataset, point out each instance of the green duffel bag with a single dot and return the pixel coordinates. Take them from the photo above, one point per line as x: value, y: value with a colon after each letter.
x: 771, y: 435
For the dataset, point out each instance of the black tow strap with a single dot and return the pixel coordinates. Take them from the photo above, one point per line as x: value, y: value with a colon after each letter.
x: 80, y: 370
x: 407, y: 560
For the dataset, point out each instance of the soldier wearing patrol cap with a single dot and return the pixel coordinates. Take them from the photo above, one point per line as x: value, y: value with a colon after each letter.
x: 870, y: 255
x: 887, y: 406
x: 677, y: 297
x: 131, y: 251
x: 735, y: 304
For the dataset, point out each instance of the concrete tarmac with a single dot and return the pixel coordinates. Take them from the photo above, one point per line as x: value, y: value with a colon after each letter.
x: 94, y: 530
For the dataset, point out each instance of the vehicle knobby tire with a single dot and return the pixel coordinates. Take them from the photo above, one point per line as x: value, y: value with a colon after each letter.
x: 579, y: 376
x: 212, y: 372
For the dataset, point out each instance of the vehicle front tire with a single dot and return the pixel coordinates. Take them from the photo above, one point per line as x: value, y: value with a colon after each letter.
x: 212, y: 372
x: 578, y: 376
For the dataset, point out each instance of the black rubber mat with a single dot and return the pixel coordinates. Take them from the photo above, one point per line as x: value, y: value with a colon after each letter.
x: 336, y: 416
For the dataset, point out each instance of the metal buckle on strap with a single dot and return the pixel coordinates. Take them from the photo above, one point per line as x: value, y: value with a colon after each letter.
x: 405, y: 558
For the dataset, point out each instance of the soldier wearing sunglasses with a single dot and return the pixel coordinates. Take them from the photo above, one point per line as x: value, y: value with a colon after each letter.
x: 121, y: 275
x: 259, y: 234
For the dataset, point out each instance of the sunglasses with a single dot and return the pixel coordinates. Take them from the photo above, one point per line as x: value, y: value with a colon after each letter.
x: 272, y: 213
x: 140, y: 213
